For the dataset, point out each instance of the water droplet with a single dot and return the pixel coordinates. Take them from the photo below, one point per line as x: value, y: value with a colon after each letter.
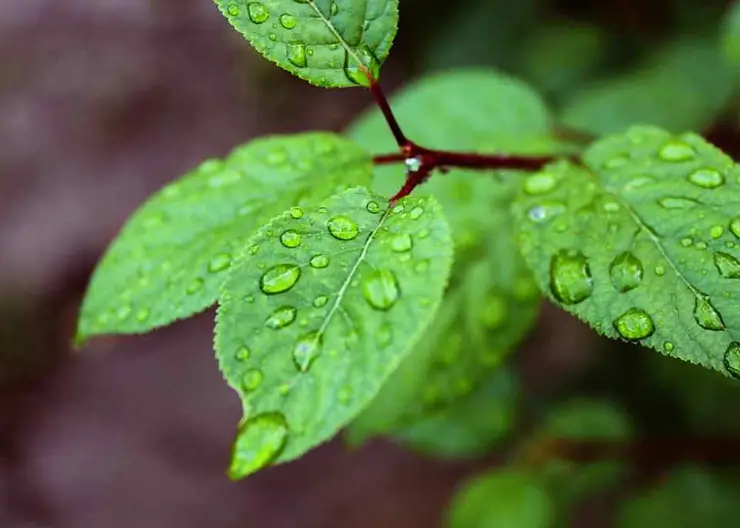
x: 668, y: 346
x: 634, y: 324
x: 343, y: 228
x: 384, y: 336
x: 194, y: 286
x: 380, y: 289
x: 686, y: 242
x: 345, y: 395
x: 279, y: 278
x: 296, y: 212
x: 290, y: 239
x: 320, y: 301
x: 296, y: 53
x: 716, y: 231
x: 416, y: 213
x: 288, y: 21
x: 727, y: 265
x: 243, y: 353
x: 707, y: 315
x: 708, y: 178
x: 638, y: 182
x: 421, y: 266
x: 675, y: 202
x: 306, y: 350
x: 732, y: 359
x: 353, y: 69
x: 143, y: 314
x: 546, y: 211
x: 539, y: 183
x: 319, y: 261
x: 334, y: 9
x: 402, y: 243
x: 570, y: 277
x: 258, y: 13
x: 249, y: 299
x: 260, y: 440
x: 735, y: 226
x: 283, y: 389
x: 272, y: 36
x: 423, y: 233
x: 219, y: 263
x: 233, y: 10
x: 626, y: 272
x: 281, y: 317
x: 412, y: 164
x: 676, y: 150
x: 373, y: 207
x: 659, y: 270
x: 252, y: 379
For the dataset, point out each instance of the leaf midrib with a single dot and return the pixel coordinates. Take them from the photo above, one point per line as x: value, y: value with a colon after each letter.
x: 339, y: 37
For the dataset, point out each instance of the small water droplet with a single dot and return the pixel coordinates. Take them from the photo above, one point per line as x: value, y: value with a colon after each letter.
x: 707, y: 178
x: 281, y: 317
x: 539, y: 183
x: 233, y: 10
x: 252, y: 379
x: 546, y: 211
x: 659, y: 270
x: 243, y: 353
x: 260, y: 440
x: 676, y: 150
x: 416, y: 213
x: 345, y: 395
x: 258, y: 13
x: 334, y: 9
x: 421, y: 266
x: 402, y: 243
x: 676, y: 202
x: 288, y: 21
x: 380, y: 289
x: 668, y: 346
x: 219, y: 263
x: 373, y: 207
x: 272, y: 36
x: 194, y: 286
x: 279, y: 278
x: 290, y: 239
x: 732, y: 359
x: 307, y: 348
x: 706, y: 315
x: 343, y: 228
x: 634, y: 324
x: 296, y: 212
x: 412, y: 164
x: 283, y: 389
x: 686, y: 242
x: 716, y: 231
x: 570, y: 277
x: 626, y: 272
x: 319, y: 261
x: 320, y: 301
x: 354, y: 71
x: 727, y: 265
x: 384, y: 336
x: 296, y: 53
x: 735, y: 226
x: 249, y: 299
x: 143, y: 314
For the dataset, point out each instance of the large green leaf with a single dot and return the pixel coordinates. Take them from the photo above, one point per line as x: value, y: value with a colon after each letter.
x: 642, y: 243
x: 171, y: 256
x: 324, y: 42
x: 682, y: 87
x: 320, y: 309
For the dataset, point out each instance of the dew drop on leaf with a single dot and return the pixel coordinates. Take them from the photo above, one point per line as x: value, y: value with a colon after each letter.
x: 373, y: 207
x: 143, y: 314
x: 380, y: 289
x: 258, y: 13
x: 634, y: 324
x: 676, y: 150
x: 124, y: 312
x: 570, y: 277
x: 243, y: 353
x: 384, y: 336
x: 281, y: 317
x: 735, y: 226
x: 401, y: 243
x: 668, y: 346
x: 707, y: 178
x: 545, y: 211
x: 732, y: 359
x: 252, y: 379
x: 279, y: 278
x: 416, y: 213
x: 343, y: 228
x: 686, y: 242
x: 676, y: 202
x: 260, y: 440
x: 290, y: 239
x: 626, y: 272
x: 319, y: 261
x: 288, y: 21
x: 706, y: 315
x: 219, y: 263
x: 305, y: 351
x: 421, y: 266
x: 233, y: 10
x: 296, y: 53
x: 727, y: 265
x: 716, y: 231
x: 539, y: 183
x: 296, y: 212
x: 320, y: 301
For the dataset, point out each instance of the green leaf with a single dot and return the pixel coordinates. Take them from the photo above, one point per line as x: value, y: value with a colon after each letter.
x: 325, y: 42
x: 642, y: 243
x: 173, y: 253
x: 308, y: 333
x: 501, y: 498
x: 691, y: 497
x: 683, y: 87
x: 731, y: 36
x: 470, y: 426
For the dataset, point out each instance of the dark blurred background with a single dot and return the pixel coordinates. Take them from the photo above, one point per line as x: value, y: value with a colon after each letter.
x: 101, y: 103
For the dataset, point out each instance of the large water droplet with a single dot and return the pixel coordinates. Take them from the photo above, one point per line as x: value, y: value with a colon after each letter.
x: 260, y: 440
x: 194, y: 286
x: 296, y: 53
x: 676, y: 150
x: 258, y: 13
x: 343, y: 228
x: 707, y: 315
x: 252, y: 379
x: 290, y: 239
x: 732, y: 359
x: 707, y: 178
x: 402, y: 243
x: 288, y: 21
x: 279, y: 278
x: 306, y: 350
x: 380, y: 289
x: 626, y: 272
x: 727, y: 265
x: 634, y: 324
x: 735, y: 226
x: 570, y: 277
x: 539, y: 183
x: 319, y: 261
x: 716, y: 231
x: 354, y: 71
x: 281, y: 317
x: 219, y: 263
x: 676, y: 202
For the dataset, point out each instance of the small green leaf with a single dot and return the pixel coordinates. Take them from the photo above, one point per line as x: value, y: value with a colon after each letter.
x: 172, y: 255
x: 310, y: 332
x: 501, y: 498
x: 325, y: 42
x: 683, y: 87
x: 643, y: 243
